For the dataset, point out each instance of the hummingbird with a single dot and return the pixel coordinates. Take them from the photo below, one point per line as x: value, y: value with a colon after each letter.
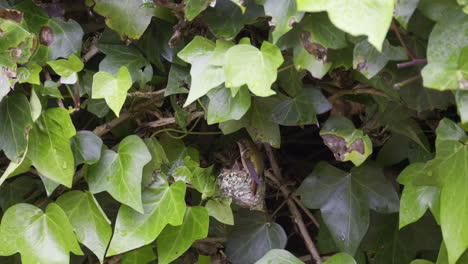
x: 252, y: 161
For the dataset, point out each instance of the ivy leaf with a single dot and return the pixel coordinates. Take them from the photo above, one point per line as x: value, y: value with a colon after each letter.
x: 302, y: 109
x: 356, y: 17
x: 15, y: 191
x: 17, y: 45
x: 414, y: 202
x: 340, y: 258
x: 39, y: 237
x: 369, y: 61
x: 112, y: 89
x: 226, y: 20
x: 86, y: 147
x: 142, y: 255
x: 284, y: 14
x: 195, y: 7
x: 120, y: 173
x: 163, y: 204
x: 344, y: 199
x: 30, y: 73
x: 49, y: 146
x: 120, y: 55
x: 66, y: 38
x: 91, y: 225
x: 204, y: 76
x: 461, y: 97
x: 279, y: 256
x: 67, y: 69
x: 4, y: 85
x: 345, y: 141
x: 252, y: 237
x: 204, y: 181
x: 447, y: 53
x: 220, y: 208
x: 322, y: 31
x: 15, y: 123
x: 34, y: 16
x: 16, y: 168
x: 178, y: 80
x: 245, y: 64
x: 223, y: 106
x: 128, y: 17
x: 404, y: 10
x: 158, y: 156
x: 449, y: 171
x: 175, y: 240
x: 257, y: 122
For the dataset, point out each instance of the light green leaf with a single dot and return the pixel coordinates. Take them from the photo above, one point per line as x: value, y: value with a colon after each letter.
x: 175, y: 240
x: 344, y: 199
x: 128, y: 17
x: 404, y: 10
x: 16, y: 168
x: 356, y: 17
x: 15, y: 124
x: 49, y: 146
x: 86, y: 147
x: 279, y: 256
x: 40, y: 238
x: 158, y: 156
x: 204, y: 181
x: 49, y: 184
x: 120, y: 173
x: 253, y: 236
x: 369, y: 61
x: 220, y: 208
x: 284, y: 14
x: 340, y: 258
x: 4, y: 85
x: 222, y: 46
x: 461, y: 97
x: 345, y: 141
x: 163, y: 204
x: 204, y: 76
x: 223, y: 106
x: 447, y: 53
x: 302, y: 109
x: 142, y: 255
x: 245, y: 64
x: 66, y: 68
x: 414, y: 202
x: 195, y: 7
x: 30, y: 73
x: 17, y: 44
x: 113, y: 89
x: 121, y: 55
x: 91, y: 225
x: 67, y: 36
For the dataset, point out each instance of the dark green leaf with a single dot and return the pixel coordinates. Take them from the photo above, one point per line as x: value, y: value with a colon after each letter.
x: 220, y: 208
x: 223, y: 106
x: 284, y: 14
x: 67, y: 37
x: 120, y: 55
x: 195, y: 7
x: 86, y: 147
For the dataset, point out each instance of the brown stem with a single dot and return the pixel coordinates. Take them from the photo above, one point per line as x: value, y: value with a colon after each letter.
x: 285, y: 67
x: 277, y: 178
x: 93, y: 50
x: 402, y: 42
x: 411, y: 63
x: 171, y: 120
x: 146, y: 94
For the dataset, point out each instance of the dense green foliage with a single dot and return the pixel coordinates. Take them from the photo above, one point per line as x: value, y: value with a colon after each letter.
x: 125, y: 128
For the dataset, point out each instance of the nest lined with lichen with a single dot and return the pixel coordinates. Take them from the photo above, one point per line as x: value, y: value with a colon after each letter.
x: 237, y: 185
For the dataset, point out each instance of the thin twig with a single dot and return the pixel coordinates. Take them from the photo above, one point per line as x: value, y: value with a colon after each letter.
x: 146, y: 94
x: 402, y: 42
x: 306, y: 210
x: 171, y: 120
x: 278, y: 179
x: 285, y: 67
x: 408, y: 81
x: 93, y: 50
x: 411, y: 63
x: 337, y: 93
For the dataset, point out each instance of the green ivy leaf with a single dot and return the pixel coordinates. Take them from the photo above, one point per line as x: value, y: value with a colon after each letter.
x: 204, y: 181
x: 142, y: 255
x: 163, y: 204
x: 340, y: 258
x: 39, y: 237
x: 195, y: 7
x: 67, y: 69
x: 461, y: 98
x: 447, y: 53
x: 220, y: 208
x: 178, y: 80
x: 279, y: 256
x: 16, y: 168
x: 284, y: 14
x: 18, y: 191
x: 175, y: 240
x: 204, y: 76
x: 158, y: 156
x: 344, y: 199
x: 121, y: 55
x: 404, y: 10
x: 245, y: 64
x: 421, y: 261
x: 128, y: 17
x: 120, y: 173
x: 30, y: 73
x: 414, y: 202
x: 369, y: 61
x: 302, y: 109
x: 17, y: 43
x: 345, y: 141
x: 49, y: 146
x: 356, y: 17
x: 322, y: 31
x: 67, y: 36
x: 49, y: 88
x: 112, y: 89
x: 86, y: 147
x: 253, y: 236
x: 91, y: 225
x: 223, y: 106
x: 15, y: 123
